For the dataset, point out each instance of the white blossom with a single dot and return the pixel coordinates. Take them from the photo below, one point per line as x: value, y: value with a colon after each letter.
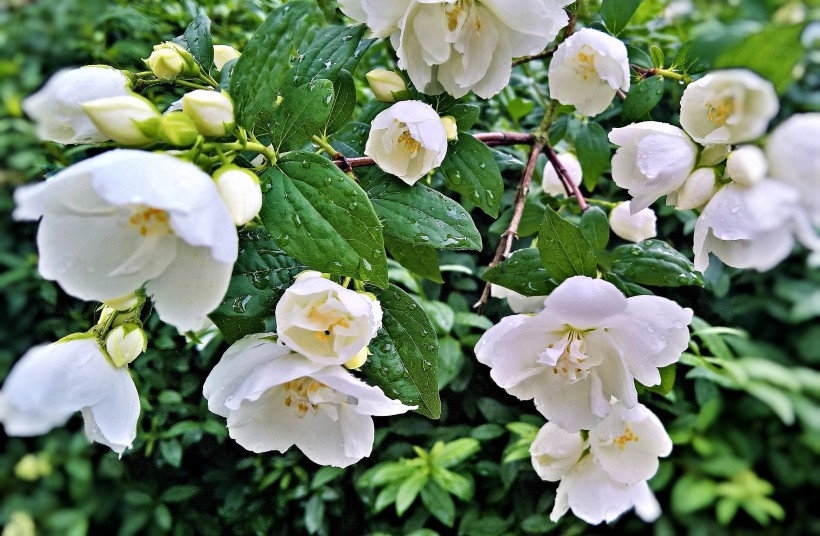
x: 519, y: 303
x: 654, y: 159
x: 633, y: 227
x: 128, y: 218
x: 551, y: 184
x: 274, y: 399
x: 52, y: 382
x: 747, y: 165
x: 587, y: 70
x: 407, y: 140
x: 794, y: 157
x: 126, y: 119
x: 57, y: 107
x: 696, y: 191
x: 554, y: 451
x: 589, y: 343
x: 239, y: 188
x: 460, y: 46
x: 326, y: 322
x: 728, y: 107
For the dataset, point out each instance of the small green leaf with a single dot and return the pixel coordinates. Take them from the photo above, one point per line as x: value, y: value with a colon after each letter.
x: 523, y: 273
x: 460, y: 486
x: 656, y: 53
x: 409, y: 490
x: 470, y: 170
x: 439, y: 503
x: 344, y: 101
x: 456, y: 452
x: 420, y: 260
x: 301, y: 114
x: 618, y: 13
x: 691, y: 493
x: 564, y: 250
x: 466, y: 115
x: 519, y: 108
x: 655, y: 263
x: 592, y: 148
x: 197, y: 41
x: 595, y: 227
x: 450, y: 361
x: 642, y: 98
x: 323, y: 218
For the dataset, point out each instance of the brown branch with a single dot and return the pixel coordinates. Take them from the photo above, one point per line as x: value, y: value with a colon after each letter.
x: 521, y: 193
x: 532, y: 57
x: 569, y: 184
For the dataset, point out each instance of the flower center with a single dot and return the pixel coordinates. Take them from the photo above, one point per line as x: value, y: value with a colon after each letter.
x: 627, y: 437
x: 586, y: 62
x: 150, y: 221
x: 410, y: 143
x: 331, y: 320
x: 305, y: 394
x: 721, y: 112
x: 570, y: 364
x: 453, y: 16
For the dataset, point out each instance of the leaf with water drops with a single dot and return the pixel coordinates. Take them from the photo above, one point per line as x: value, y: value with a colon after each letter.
x: 332, y: 50
x: 564, y: 250
x: 592, y: 146
x: 470, y: 170
x: 523, y: 272
x: 421, y: 260
x: 642, y: 98
x: 197, y: 41
x: 655, y: 263
x: 322, y: 217
x: 260, y: 276
x: 301, y: 114
x: 404, y: 360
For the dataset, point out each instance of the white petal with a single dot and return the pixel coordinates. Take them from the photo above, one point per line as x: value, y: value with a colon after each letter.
x: 583, y: 303
x: 113, y: 420
x: 326, y: 442
x: 370, y: 400
x: 267, y: 424
x: 554, y: 451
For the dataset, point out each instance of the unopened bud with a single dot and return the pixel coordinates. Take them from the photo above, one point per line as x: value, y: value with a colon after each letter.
x: 240, y: 191
x: 177, y: 128
x: 223, y: 54
x: 698, y: 190
x: 124, y: 303
x: 747, y: 165
x: 375, y: 310
x: 125, y: 343
x: 211, y: 111
x: 385, y: 84
x: 170, y: 60
x: 712, y: 155
x: 309, y: 274
x: 359, y: 359
x: 633, y: 227
x: 450, y: 127
x: 128, y: 119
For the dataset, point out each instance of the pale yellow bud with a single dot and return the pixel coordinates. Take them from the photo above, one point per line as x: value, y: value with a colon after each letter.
x: 127, y: 119
x: 450, y: 126
x: 359, y: 359
x: 385, y: 84
x: 125, y: 343
x: 124, y: 303
x: 239, y: 189
x: 211, y: 111
x: 176, y: 128
x: 170, y: 60
x: 223, y: 54
x: 19, y: 524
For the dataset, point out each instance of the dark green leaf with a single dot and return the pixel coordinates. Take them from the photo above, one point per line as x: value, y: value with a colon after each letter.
x: 260, y: 276
x: 404, y: 360
x: 564, y: 250
x: 439, y: 503
x: 301, y: 114
x: 667, y: 380
x: 420, y: 260
x: 470, y: 170
x: 328, y: 54
x: 466, y: 115
x: 197, y: 41
x: 595, y: 227
x: 266, y: 59
x: 592, y: 148
x: 629, y: 289
x: 523, y: 272
x: 642, y: 98
x: 323, y: 218
x: 226, y: 73
x: 344, y: 101
x: 655, y: 263
x: 618, y: 13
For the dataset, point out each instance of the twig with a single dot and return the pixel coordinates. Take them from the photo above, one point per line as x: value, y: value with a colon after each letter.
x: 569, y: 184
x: 532, y: 57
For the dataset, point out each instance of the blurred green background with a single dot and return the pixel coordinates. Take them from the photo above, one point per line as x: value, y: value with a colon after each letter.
x: 747, y: 430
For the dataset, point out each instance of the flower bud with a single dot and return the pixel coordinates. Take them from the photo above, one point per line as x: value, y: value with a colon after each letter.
x: 19, y: 523
x: 223, y: 54
x: 450, y: 127
x: 239, y: 189
x: 176, y: 128
x: 698, y: 190
x: 128, y: 119
x: 125, y: 343
x: 28, y: 468
x: 211, y: 111
x: 633, y: 227
x: 712, y: 155
x: 170, y: 60
x: 385, y: 84
x: 359, y: 359
x: 747, y: 165
x: 124, y: 303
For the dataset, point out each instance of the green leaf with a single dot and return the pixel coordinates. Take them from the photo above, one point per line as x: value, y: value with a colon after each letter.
x: 456, y: 452
x: 642, y: 98
x: 655, y: 263
x: 440, y: 314
x: 523, y: 273
x: 323, y: 218
x: 668, y: 374
x: 772, y: 52
x: 301, y: 114
x: 564, y: 250
x: 197, y: 41
x: 519, y: 108
x: 171, y: 452
x: 260, y: 276
x: 421, y: 260
x: 592, y: 148
x: 466, y: 115
x: 460, y: 486
x: 656, y: 53
x: 450, y: 361
x: 421, y: 216
x: 330, y: 51
x: 618, y: 13
x: 409, y: 490
x: 178, y: 494
x: 404, y: 360
x: 595, y: 227
x: 470, y: 170
x: 691, y: 493
x: 439, y: 503
x: 344, y: 101
x: 266, y: 60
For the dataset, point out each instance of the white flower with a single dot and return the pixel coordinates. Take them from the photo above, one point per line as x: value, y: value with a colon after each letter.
x: 698, y: 189
x: 633, y: 227
x: 794, y: 158
x: 747, y: 165
x: 519, y: 303
x: 587, y: 345
x: 127, y: 119
x: 274, y: 399
x: 51, y: 382
x: 587, y: 70
x: 555, y: 451
x: 728, y: 107
x: 654, y: 159
x: 128, y: 218
x: 385, y: 84
x: 752, y: 227
x: 240, y: 190
x: 460, y: 46
x: 223, y: 54
x: 551, y: 184
x: 326, y: 322
x: 211, y: 111
x: 57, y: 107
x: 407, y: 140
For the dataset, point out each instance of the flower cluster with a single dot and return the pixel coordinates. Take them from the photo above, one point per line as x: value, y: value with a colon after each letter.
x: 583, y: 350
x: 754, y: 205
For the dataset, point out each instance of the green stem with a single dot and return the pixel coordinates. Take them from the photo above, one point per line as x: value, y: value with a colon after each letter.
x: 666, y: 73
x: 267, y: 152
x: 208, y: 79
x: 325, y: 146
x: 185, y: 83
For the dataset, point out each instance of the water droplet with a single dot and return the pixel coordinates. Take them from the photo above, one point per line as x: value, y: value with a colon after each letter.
x: 454, y: 176
x: 735, y: 209
x: 328, y: 181
x: 353, y: 206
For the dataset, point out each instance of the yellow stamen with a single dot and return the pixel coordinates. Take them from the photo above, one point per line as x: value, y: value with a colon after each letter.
x: 410, y: 143
x: 152, y: 220
x: 453, y: 16
x: 721, y: 113
x: 626, y: 437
